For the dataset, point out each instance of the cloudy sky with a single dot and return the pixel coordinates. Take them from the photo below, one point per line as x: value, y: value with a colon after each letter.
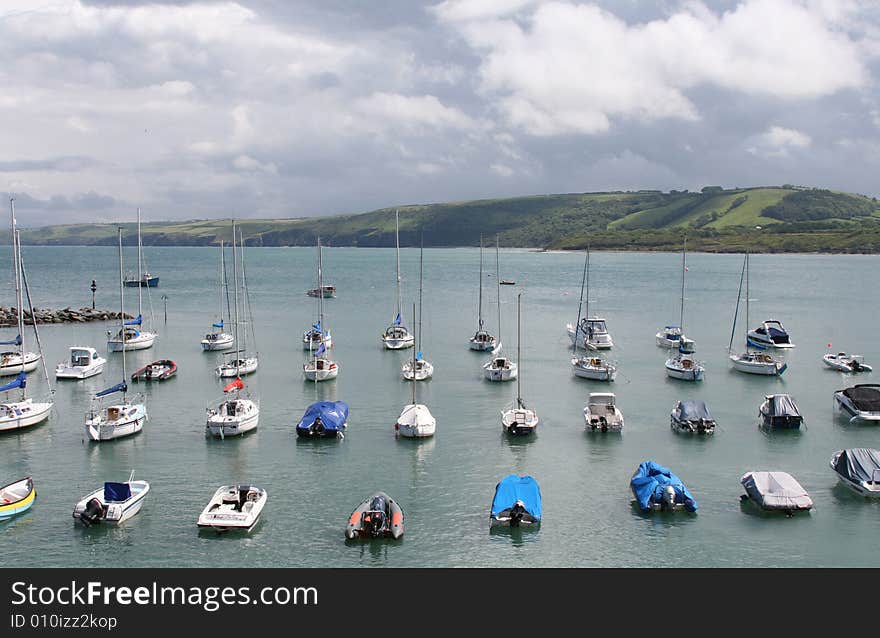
x: 285, y: 108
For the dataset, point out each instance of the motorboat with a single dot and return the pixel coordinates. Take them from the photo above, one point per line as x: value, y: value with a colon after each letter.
x: 500, y: 369
x: 517, y: 501
x: 593, y: 367
x: 669, y: 336
x: 601, y: 413
x: 592, y: 333
x: 770, y: 334
x: 84, y: 362
x: 156, y: 371
x: 685, y: 367
x: 692, y: 417
x: 11, y: 362
x: 415, y: 422
x: 326, y: 291
x: 779, y: 411
x: 776, y: 491
x: 860, y: 402
x: 17, y: 497
x: 320, y: 368
x: 657, y: 488
x: 234, y: 415
x: 419, y: 370
x: 112, y: 504
x: 844, y: 362
x: 234, y: 507
x: 396, y: 336
x: 519, y: 419
x: 377, y: 516
x: 326, y: 419
x: 131, y: 337
x: 858, y: 469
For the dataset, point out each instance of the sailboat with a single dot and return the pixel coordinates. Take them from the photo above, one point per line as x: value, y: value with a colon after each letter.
x: 589, y: 366
x: 130, y: 335
x: 499, y: 368
x: 124, y: 417
x: 419, y: 368
x: 318, y: 333
x: 396, y: 336
x: 592, y: 332
x: 24, y: 412
x: 242, y: 362
x: 416, y: 420
x: 236, y: 413
x: 143, y: 279
x: 219, y: 339
x: 519, y: 419
x: 684, y: 365
x: 320, y: 368
x: 482, y: 341
x: 749, y: 361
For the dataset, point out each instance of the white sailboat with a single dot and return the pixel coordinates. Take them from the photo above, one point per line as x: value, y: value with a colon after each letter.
x: 236, y: 413
x: 25, y: 411
x: 684, y: 365
x: 243, y: 361
x: 592, y: 331
x: 121, y: 418
x: 416, y: 420
x: 483, y: 340
x: 218, y: 339
x: 499, y: 368
x: 419, y: 368
x: 320, y: 368
x: 318, y: 334
x: 590, y: 366
x: 519, y: 419
x: 396, y: 335
x: 751, y: 362
x: 131, y: 336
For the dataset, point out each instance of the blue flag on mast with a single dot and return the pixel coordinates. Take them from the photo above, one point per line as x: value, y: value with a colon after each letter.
x: 397, y: 320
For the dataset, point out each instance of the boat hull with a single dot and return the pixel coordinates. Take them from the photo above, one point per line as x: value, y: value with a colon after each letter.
x: 115, y: 513
x: 245, y: 418
x: 422, y: 372
x: 591, y: 371
x: 398, y: 344
x: 500, y: 374
x: 217, y: 341
x: 846, y: 408
x: 144, y: 282
x: 601, y: 341
x: 312, y: 344
x: 131, y: 421
x: 519, y: 421
x: 20, y: 496
x: 246, y: 366
x: 675, y: 371
x: 225, y: 510
x: 143, y: 341
x: 310, y: 373
x: 749, y: 366
x: 845, y: 364
x: 78, y: 372
x: 21, y: 414
x: 11, y: 363
x: 415, y: 422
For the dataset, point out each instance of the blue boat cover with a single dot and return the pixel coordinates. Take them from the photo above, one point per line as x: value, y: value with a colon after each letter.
x: 333, y: 415
x: 14, y: 342
x: 119, y: 387
x: 134, y: 322
x: 116, y: 492
x: 513, y: 488
x: 218, y: 325
x: 648, y: 483
x: 19, y: 382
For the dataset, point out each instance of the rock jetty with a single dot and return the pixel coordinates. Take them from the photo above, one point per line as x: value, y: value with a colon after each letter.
x: 9, y: 316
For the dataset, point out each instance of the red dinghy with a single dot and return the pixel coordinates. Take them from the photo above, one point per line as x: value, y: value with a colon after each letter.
x: 156, y: 371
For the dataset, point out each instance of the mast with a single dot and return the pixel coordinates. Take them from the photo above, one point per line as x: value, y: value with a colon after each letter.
x: 577, y: 325
x: 480, y: 298
x: 415, y: 347
x: 421, y: 256
x: 498, y: 286
x: 320, y: 290
x: 122, y: 311
x: 683, y: 270
x: 747, y: 301
x: 587, y: 314
x: 235, y: 297
x: 519, y: 402
x: 139, y: 258
x: 736, y: 311
x: 220, y: 289
x: 16, y: 261
x: 397, y: 240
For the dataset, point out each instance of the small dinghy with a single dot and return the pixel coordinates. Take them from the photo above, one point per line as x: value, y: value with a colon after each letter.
x: 859, y: 469
x: 517, y: 501
x: 844, y: 362
x: 859, y: 403
x: 657, y: 488
x: 84, y: 362
x: 17, y: 497
x: 692, y: 417
x: 234, y: 507
x: 602, y: 414
x: 113, y: 504
x: 324, y: 419
x: 155, y: 371
x: 378, y: 516
x: 776, y: 491
x: 779, y: 411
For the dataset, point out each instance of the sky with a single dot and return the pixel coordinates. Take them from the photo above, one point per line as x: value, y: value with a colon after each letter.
x: 288, y: 108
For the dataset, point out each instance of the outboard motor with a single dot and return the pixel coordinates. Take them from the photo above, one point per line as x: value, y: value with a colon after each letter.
x: 516, y: 513
x: 855, y: 366
x: 94, y: 512
x: 669, y: 497
x: 317, y: 427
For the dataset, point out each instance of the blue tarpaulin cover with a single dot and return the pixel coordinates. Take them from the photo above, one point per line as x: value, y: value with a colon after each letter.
x: 218, y: 325
x: 14, y: 342
x: 513, y: 488
x: 119, y: 387
x: 333, y: 415
x: 19, y: 382
x: 649, y: 481
x: 116, y: 492
x: 134, y: 322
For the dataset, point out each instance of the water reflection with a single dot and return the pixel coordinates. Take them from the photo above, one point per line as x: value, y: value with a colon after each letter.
x: 518, y: 535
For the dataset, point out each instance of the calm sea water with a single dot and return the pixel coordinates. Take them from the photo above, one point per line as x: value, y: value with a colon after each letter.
x: 446, y: 483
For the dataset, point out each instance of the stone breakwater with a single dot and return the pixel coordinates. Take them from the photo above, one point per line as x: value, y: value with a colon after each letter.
x: 9, y: 316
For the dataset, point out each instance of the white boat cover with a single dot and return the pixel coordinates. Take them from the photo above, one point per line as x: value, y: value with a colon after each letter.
x: 858, y: 464
x: 776, y: 491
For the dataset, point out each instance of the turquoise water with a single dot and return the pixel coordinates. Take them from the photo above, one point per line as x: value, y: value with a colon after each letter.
x: 445, y: 484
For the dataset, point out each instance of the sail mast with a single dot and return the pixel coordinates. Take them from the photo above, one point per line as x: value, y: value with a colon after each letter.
x: 577, y: 325
x: 736, y: 311
x: 480, y: 298
x: 747, y: 300
x: 587, y: 313
x: 421, y: 263
x: 139, y: 257
x: 518, y: 351
x: 320, y: 290
x: 415, y: 347
x: 220, y: 289
x: 122, y: 311
x: 498, y: 286
x: 683, y: 270
x: 397, y: 241
x: 235, y: 297
x: 16, y: 260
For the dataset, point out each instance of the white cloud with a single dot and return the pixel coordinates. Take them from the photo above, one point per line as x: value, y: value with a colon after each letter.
x: 501, y: 169
x: 389, y: 110
x: 778, y: 136
x: 462, y: 10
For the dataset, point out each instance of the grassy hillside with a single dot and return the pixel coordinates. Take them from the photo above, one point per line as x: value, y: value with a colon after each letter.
x: 791, y: 219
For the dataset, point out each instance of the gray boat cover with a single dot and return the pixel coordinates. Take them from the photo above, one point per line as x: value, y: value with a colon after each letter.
x: 866, y: 397
x: 858, y: 464
x: 781, y: 405
x: 691, y: 411
x: 776, y: 491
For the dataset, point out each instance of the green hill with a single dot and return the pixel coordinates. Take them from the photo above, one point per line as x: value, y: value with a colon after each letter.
x: 785, y: 218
